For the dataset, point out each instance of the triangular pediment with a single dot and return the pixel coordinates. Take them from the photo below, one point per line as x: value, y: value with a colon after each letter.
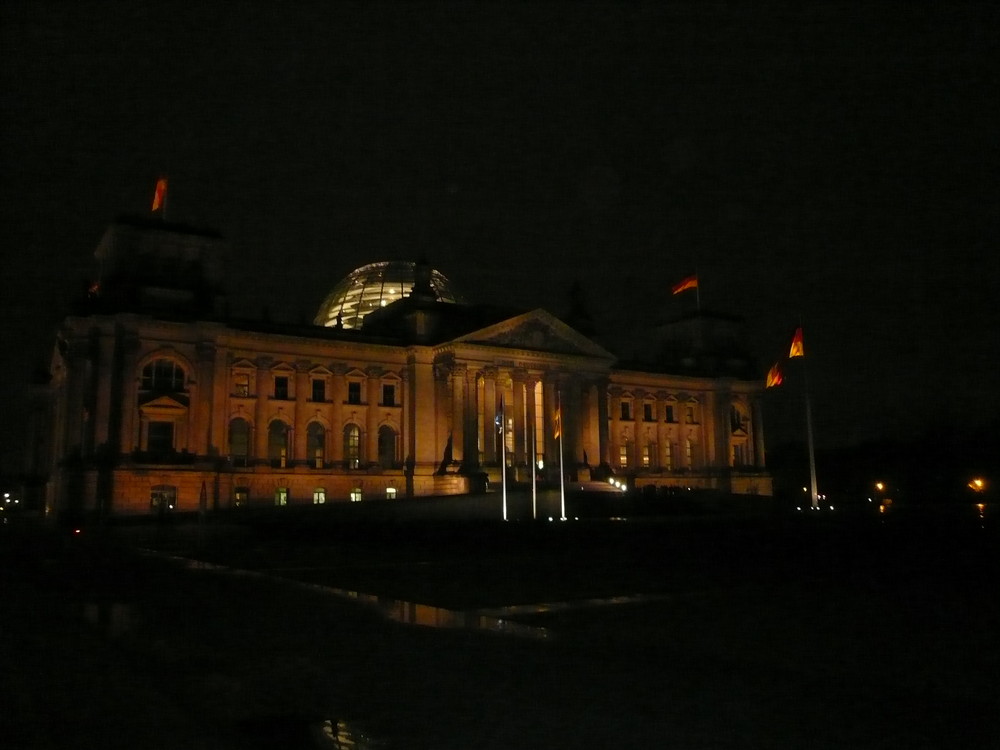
x: 538, y: 331
x: 165, y: 403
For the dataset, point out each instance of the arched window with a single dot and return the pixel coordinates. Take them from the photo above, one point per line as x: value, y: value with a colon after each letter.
x: 352, y: 446
x: 386, y: 447
x: 277, y: 443
x: 163, y: 376
x: 239, y: 440
x: 316, y: 444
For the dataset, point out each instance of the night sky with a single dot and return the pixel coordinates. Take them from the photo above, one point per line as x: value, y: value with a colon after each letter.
x: 830, y: 163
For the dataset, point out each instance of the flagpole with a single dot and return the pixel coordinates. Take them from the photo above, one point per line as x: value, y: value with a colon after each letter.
x: 809, y: 439
x: 562, y: 473
x: 534, y: 478
x: 503, y: 457
x: 813, y: 491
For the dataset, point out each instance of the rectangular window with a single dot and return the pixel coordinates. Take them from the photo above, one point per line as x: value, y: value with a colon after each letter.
x: 645, y: 456
x: 390, y: 493
x: 240, y: 496
x: 281, y: 496
x: 647, y: 412
x: 690, y: 415
x: 160, y: 438
x: 356, y: 495
x: 319, y: 390
x: 623, y: 455
x: 354, y: 392
x: 281, y: 387
x: 388, y: 395
x: 668, y: 456
x: 626, y: 411
x: 241, y: 385
x: 671, y: 417
x: 319, y: 496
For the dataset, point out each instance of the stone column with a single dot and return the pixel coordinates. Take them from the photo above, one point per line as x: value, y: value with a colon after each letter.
x: 262, y: 391
x: 220, y: 407
x: 300, y: 434
x: 422, y: 408
x: 458, y: 404
x: 662, y: 434
x: 200, y: 399
x: 129, y: 438
x: 604, y: 442
x: 519, y: 379
x: 338, y: 395
x: 470, y: 422
x: 488, y: 430
x: 104, y: 378
x: 77, y: 376
x: 757, y: 430
x: 371, y: 424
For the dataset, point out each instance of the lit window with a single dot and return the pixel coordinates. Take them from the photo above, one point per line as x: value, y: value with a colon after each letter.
x: 281, y: 496
x: 319, y: 496
x: 668, y: 455
x: 352, y: 446
x: 645, y: 456
x: 623, y: 455
x: 689, y: 451
x: 390, y: 493
x: 356, y: 495
x: 241, y: 495
x: 241, y: 385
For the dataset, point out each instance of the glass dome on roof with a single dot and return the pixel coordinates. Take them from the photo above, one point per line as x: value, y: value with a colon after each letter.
x: 373, y: 286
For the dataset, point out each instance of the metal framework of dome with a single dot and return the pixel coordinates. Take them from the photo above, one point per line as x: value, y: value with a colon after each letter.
x: 373, y: 286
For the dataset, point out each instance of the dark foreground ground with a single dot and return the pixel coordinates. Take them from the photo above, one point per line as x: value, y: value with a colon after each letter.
x: 798, y: 631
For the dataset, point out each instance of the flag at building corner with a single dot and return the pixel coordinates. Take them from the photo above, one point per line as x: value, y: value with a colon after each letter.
x: 691, y: 282
x: 796, y: 350
x: 774, y: 376
x: 557, y: 423
x: 160, y: 195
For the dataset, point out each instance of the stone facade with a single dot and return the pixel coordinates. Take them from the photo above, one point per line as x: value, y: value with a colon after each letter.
x: 154, y: 410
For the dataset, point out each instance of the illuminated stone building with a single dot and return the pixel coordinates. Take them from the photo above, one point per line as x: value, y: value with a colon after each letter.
x: 158, y: 399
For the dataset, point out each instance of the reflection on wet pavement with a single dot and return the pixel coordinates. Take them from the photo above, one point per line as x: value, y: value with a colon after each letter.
x: 338, y: 734
x: 493, y: 619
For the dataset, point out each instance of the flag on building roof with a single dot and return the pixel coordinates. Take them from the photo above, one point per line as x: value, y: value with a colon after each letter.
x: 691, y: 282
x: 774, y: 376
x: 160, y: 195
x: 796, y: 349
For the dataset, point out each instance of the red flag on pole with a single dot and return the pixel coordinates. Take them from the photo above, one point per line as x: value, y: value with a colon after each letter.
x: 691, y: 282
x: 774, y: 376
x: 796, y: 349
x: 160, y: 195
